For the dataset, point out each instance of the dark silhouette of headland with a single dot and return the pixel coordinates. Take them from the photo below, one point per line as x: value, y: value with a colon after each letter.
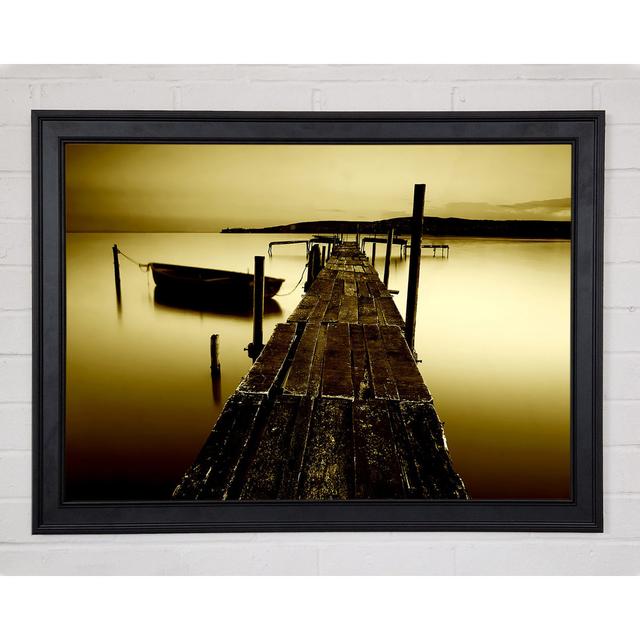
x: 551, y: 229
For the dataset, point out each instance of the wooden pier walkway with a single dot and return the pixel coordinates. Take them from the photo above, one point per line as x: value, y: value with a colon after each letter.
x: 333, y: 408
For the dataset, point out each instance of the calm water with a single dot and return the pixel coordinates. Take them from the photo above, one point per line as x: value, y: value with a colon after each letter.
x: 493, y: 336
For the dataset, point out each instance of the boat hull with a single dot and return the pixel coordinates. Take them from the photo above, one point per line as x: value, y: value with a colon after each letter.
x: 202, y: 284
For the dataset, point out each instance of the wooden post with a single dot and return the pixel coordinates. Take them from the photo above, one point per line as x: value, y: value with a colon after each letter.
x: 258, y: 306
x: 373, y: 252
x: 315, y: 250
x: 215, y: 360
x: 387, y: 257
x: 414, y: 264
x: 310, y: 260
x: 116, y: 269
x: 324, y: 255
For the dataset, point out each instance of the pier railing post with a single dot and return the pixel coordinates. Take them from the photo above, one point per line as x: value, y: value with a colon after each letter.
x: 414, y: 263
x: 215, y: 359
x: 258, y: 307
x: 373, y: 252
x: 387, y: 257
x: 116, y: 269
x: 310, y: 268
x: 324, y: 255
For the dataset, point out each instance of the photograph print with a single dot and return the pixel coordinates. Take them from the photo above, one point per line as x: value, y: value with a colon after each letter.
x: 317, y: 322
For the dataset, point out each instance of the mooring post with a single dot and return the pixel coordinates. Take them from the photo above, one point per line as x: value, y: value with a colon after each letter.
x: 258, y: 306
x: 215, y: 359
x: 373, y: 253
x: 414, y: 264
x: 324, y: 255
x: 387, y: 257
x: 316, y: 260
x: 116, y: 269
x: 310, y: 259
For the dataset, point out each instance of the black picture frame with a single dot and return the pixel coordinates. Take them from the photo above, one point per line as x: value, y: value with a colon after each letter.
x: 584, y: 130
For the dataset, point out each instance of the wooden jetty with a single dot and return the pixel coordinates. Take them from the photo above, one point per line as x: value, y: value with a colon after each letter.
x: 400, y: 242
x: 442, y: 247
x: 334, y: 408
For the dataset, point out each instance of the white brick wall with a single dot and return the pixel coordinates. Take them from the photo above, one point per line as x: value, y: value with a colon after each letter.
x: 349, y: 87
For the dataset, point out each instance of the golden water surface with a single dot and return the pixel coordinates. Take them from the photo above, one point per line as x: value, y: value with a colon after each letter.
x: 493, y: 337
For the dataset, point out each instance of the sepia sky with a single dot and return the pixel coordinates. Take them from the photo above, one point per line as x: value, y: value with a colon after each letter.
x: 204, y: 188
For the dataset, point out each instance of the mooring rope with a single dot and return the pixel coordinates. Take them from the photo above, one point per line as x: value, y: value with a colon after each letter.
x: 281, y: 295
x: 143, y: 266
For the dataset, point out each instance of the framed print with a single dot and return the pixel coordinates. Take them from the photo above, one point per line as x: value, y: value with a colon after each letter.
x: 317, y: 321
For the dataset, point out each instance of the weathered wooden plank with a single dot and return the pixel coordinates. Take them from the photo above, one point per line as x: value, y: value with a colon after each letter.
x: 387, y: 309
x: 435, y: 468
x: 367, y: 311
x: 359, y: 364
x: 262, y: 376
x: 328, y: 468
x: 267, y: 467
x: 304, y: 308
x: 382, y: 378
x: 411, y: 481
x: 377, y: 472
x: 350, y: 287
x: 297, y: 380
x: 407, y: 377
x: 333, y: 308
x: 294, y: 457
x: 348, y: 311
x: 317, y: 364
x: 363, y: 288
x: 336, y: 375
x: 228, y: 448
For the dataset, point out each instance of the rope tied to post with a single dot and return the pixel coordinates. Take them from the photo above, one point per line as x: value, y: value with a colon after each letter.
x: 143, y: 266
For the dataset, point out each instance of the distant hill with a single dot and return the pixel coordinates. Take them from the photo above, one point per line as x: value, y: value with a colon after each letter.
x: 431, y: 226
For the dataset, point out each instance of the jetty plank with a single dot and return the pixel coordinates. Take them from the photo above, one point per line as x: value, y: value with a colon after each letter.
x: 382, y: 378
x: 262, y: 376
x: 336, y: 378
x: 408, y: 380
x: 377, y: 471
x: 327, y: 473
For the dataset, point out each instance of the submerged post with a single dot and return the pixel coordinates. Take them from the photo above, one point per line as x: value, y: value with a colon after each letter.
x: 116, y: 269
x: 215, y: 359
x: 414, y: 263
x: 258, y: 306
x: 387, y: 257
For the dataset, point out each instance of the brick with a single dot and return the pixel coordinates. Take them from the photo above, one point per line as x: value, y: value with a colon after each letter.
x: 15, y: 426
x: 15, y: 197
x: 622, y: 422
x: 106, y: 94
x: 15, y: 378
x: 622, y: 516
x: 621, y: 285
x: 621, y: 471
x: 621, y: 376
x: 15, y: 474
x: 83, y: 559
x: 622, y: 144
x: 15, y: 149
x: 577, y: 557
x: 525, y: 96
x: 16, y: 102
x: 243, y: 95
x: 393, y: 558
x: 621, y: 100
x: 622, y: 195
x: 15, y: 336
x: 15, y: 288
x: 15, y: 243
x: 378, y: 96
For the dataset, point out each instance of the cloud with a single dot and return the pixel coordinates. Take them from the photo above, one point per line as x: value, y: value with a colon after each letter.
x: 550, y: 209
